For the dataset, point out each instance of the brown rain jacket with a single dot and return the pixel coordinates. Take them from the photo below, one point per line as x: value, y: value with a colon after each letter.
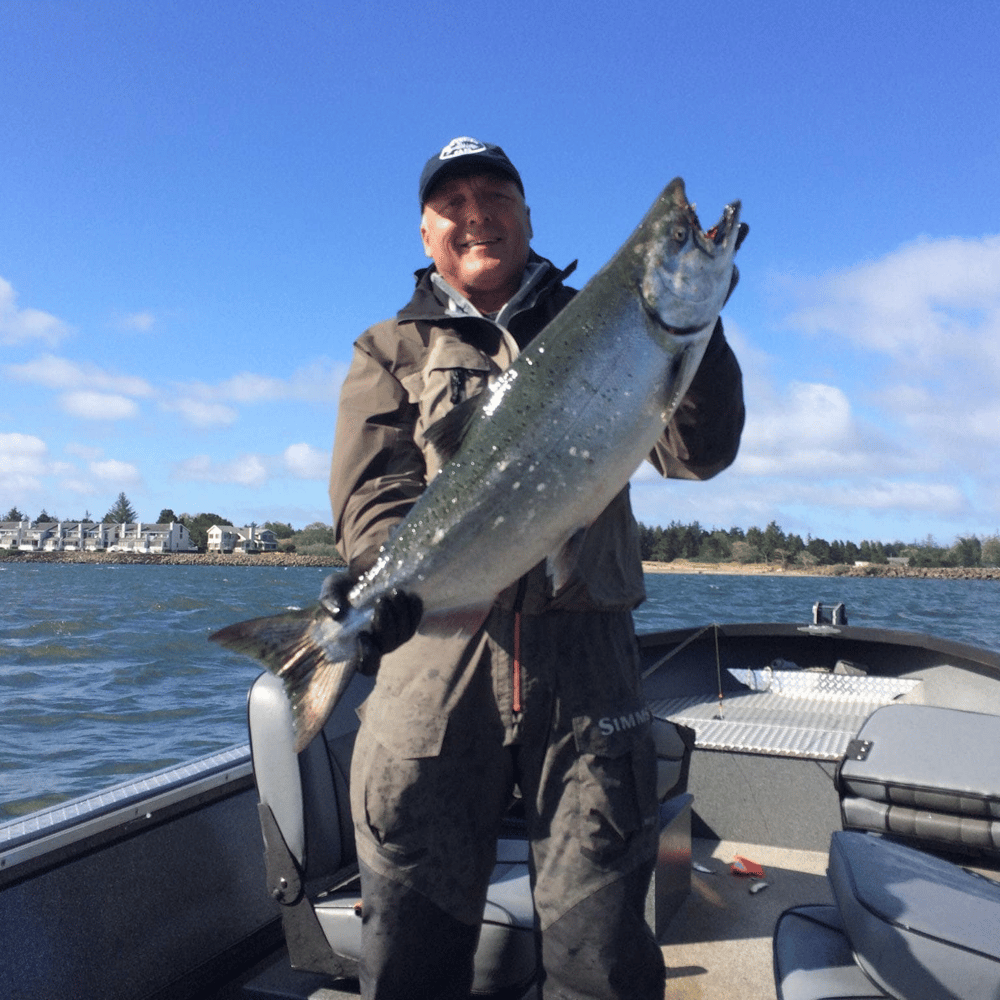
x: 409, y: 371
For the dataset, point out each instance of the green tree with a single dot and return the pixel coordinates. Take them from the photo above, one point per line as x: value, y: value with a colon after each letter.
x: 198, y: 526
x: 121, y: 512
x: 744, y: 552
x: 317, y: 539
x: 717, y: 547
x: 820, y: 549
x: 167, y: 516
x: 772, y: 540
x: 280, y: 530
x: 794, y: 546
x: 15, y: 515
x: 966, y: 552
x: 44, y: 517
x: 991, y: 551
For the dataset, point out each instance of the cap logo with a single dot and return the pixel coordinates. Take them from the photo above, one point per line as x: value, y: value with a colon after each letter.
x: 461, y: 146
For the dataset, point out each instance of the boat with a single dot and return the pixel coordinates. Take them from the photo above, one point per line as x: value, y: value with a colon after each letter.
x: 159, y: 888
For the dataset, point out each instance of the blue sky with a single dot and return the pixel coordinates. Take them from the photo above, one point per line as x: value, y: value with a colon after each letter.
x: 202, y: 205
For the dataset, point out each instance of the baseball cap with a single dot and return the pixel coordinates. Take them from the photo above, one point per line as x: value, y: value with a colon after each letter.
x: 465, y: 155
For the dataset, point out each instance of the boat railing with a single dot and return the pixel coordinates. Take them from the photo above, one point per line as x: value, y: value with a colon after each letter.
x: 130, y: 804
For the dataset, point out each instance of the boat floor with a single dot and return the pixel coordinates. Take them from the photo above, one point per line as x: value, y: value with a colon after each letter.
x: 717, y: 945
x: 719, y: 942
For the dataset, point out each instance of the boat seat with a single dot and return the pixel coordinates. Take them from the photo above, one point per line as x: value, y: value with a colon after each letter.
x: 907, y: 925
x: 310, y: 858
x: 813, y: 959
x: 925, y: 775
x: 311, y: 861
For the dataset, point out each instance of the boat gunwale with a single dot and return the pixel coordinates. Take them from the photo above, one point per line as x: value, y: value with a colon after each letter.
x: 968, y: 654
x: 51, y: 836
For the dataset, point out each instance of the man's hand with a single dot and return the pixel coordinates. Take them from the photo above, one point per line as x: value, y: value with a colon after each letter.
x: 394, y: 621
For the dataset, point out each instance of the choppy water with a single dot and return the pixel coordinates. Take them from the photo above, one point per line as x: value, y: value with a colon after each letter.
x: 105, y: 671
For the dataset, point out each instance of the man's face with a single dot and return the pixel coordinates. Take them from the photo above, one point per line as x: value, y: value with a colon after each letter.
x: 477, y: 230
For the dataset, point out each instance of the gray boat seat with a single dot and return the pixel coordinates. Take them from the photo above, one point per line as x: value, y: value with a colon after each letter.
x: 917, y: 926
x: 310, y: 859
x: 311, y: 862
x: 813, y: 959
x: 927, y: 775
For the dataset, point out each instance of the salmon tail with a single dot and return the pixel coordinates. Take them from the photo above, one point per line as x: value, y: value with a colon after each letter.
x: 307, y: 651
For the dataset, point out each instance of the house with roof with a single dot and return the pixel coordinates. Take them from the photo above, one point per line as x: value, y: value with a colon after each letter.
x: 90, y: 536
x: 249, y: 539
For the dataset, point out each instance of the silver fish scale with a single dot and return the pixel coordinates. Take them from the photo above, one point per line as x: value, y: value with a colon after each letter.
x: 814, y: 727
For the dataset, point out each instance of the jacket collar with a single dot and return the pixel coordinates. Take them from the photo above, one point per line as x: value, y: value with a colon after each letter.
x: 435, y: 299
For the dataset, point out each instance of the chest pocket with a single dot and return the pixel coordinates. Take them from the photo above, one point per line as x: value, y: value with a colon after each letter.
x: 454, y: 372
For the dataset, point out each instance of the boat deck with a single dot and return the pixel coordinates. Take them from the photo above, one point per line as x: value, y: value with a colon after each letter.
x: 719, y: 942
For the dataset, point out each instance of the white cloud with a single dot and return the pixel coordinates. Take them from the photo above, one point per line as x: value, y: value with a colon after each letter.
x: 87, y: 452
x: 244, y: 470
x: 204, y: 405
x: 809, y: 429
x: 23, y: 462
x: 55, y: 372
x: 117, y: 473
x: 249, y: 387
x: 82, y: 487
x: 20, y: 326
x: 141, y: 322
x: 98, y: 406
x: 874, y: 493
x: 203, y: 413
x: 318, y: 381
x: 930, y: 302
x: 306, y: 462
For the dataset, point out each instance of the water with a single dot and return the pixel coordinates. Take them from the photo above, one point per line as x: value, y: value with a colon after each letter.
x: 105, y: 671
x: 964, y: 610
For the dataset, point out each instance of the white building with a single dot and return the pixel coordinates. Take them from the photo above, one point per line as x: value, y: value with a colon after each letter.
x: 90, y: 536
x: 226, y: 538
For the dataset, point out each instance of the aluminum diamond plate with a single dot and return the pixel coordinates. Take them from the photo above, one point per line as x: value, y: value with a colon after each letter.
x: 806, y: 715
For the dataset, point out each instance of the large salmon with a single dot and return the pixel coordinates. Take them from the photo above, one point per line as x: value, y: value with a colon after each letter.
x: 535, y: 458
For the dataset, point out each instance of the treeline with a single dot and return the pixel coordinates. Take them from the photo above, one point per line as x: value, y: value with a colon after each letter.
x: 772, y: 545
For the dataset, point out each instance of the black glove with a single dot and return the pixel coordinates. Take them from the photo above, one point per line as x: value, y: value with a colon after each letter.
x: 395, y: 618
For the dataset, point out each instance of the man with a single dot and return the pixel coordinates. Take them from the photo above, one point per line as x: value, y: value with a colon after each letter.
x: 455, y: 726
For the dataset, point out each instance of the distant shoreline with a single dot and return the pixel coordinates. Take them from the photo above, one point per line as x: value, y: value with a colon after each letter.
x: 873, y: 570
x: 173, y: 558
x: 677, y: 566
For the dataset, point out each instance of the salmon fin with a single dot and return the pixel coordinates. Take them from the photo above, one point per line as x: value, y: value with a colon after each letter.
x: 297, y: 647
x: 268, y: 639
x: 455, y: 622
x: 448, y: 433
x: 561, y: 566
